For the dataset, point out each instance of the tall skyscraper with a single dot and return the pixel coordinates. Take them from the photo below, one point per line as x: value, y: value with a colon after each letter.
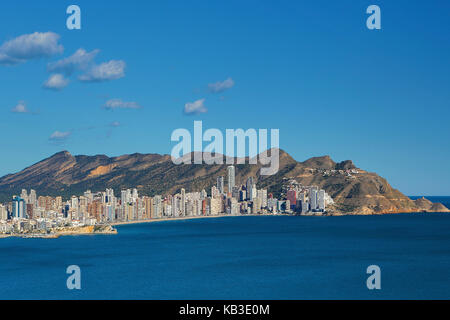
x: 32, y: 199
x: 135, y: 195
x: 242, y: 195
x: 89, y: 196
x: 214, y: 192
x: 313, y: 199
x: 125, y: 197
x: 24, y: 195
x: 264, y: 198
x: 302, y: 204
x: 321, y: 200
x: 250, y: 188
x: 157, y: 206
x: 109, y: 198
x: 3, y: 213
x: 183, y: 202
x: 220, y: 184
x: 231, y: 177
x: 291, y: 195
x: 19, y: 208
x: 74, y: 202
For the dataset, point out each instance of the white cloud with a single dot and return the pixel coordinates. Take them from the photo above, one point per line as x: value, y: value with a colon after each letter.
x: 30, y: 46
x: 119, y: 104
x: 195, y: 107
x: 56, y: 82
x: 79, y: 60
x: 111, y: 70
x: 21, y: 107
x: 58, y: 135
x: 115, y: 124
x: 221, y: 86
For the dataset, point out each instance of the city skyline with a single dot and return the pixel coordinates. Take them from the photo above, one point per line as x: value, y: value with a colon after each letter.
x: 224, y: 157
x: 33, y: 214
x: 371, y: 96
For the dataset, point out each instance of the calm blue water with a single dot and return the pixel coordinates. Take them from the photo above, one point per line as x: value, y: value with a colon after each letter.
x: 239, y: 258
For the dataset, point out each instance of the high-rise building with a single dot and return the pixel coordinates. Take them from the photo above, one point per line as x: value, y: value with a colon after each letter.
x: 157, y: 207
x: 135, y: 195
x: 254, y: 191
x: 256, y: 207
x: 32, y: 199
x: 19, y: 208
x: 262, y: 196
x: 89, y: 196
x: 74, y: 202
x: 109, y: 196
x: 242, y: 195
x: 215, y: 205
x: 149, y: 210
x: 3, y: 213
x: 287, y: 205
x: 220, y: 184
x: 305, y: 206
x: 313, y: 199
x: 235, y: 192
x: 272, y: 204
x: 291, y: 195
x: 183, y: 202
x: 249, y: 187
x: 231, y: 178
x: 24, y: 195
x: 321, y: 200
x: 215, y: 192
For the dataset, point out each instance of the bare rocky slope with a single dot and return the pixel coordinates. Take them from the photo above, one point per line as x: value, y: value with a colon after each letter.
x: 360, y: 192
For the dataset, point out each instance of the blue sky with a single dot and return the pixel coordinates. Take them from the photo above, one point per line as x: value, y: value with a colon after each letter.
x: 310, y: 68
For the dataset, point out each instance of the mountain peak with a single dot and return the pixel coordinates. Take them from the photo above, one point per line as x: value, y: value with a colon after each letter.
x: 323, y: 162
x: 64, y: 153
x: 345, y: 165
x: 66, y: 175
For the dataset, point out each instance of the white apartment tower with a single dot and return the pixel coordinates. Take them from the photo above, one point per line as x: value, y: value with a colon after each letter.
x: 231, y: 177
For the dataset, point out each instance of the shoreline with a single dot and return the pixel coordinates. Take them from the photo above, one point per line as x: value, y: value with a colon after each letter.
x: 189, y: 218
x: 121, y: 223
x: 64, y: 231
x: 331, y: 214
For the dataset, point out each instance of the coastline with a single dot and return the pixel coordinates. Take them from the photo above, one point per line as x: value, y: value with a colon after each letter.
x: 108, y: 228
x: 65, y: 231
x: 188, y: 218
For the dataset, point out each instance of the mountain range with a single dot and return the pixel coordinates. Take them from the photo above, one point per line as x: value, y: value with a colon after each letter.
x: 354, y: 190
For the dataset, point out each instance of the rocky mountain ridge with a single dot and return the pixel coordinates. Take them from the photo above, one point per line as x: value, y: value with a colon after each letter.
x: 354, y: 190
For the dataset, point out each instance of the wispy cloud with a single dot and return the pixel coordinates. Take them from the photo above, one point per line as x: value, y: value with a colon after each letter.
x: 112, y: 126
x: 81, y: 59
x: 221, y: 86
x: 111, y: 70
x: 195, y: 107
x: 21, y: 107
x: 120, y: 104
x: 56, y: 82
x: 30, y: 46
x: 59, y: 136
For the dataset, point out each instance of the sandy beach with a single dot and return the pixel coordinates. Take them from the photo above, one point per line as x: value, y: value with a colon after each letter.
x: 185, y: 218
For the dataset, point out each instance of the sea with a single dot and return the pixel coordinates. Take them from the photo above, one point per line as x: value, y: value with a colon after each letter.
x: 246, y: 257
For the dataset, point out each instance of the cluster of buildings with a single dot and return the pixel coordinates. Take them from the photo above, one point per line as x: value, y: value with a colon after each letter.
x: 29, y: 212
x: 306, y: 199
x: 332, y: 172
